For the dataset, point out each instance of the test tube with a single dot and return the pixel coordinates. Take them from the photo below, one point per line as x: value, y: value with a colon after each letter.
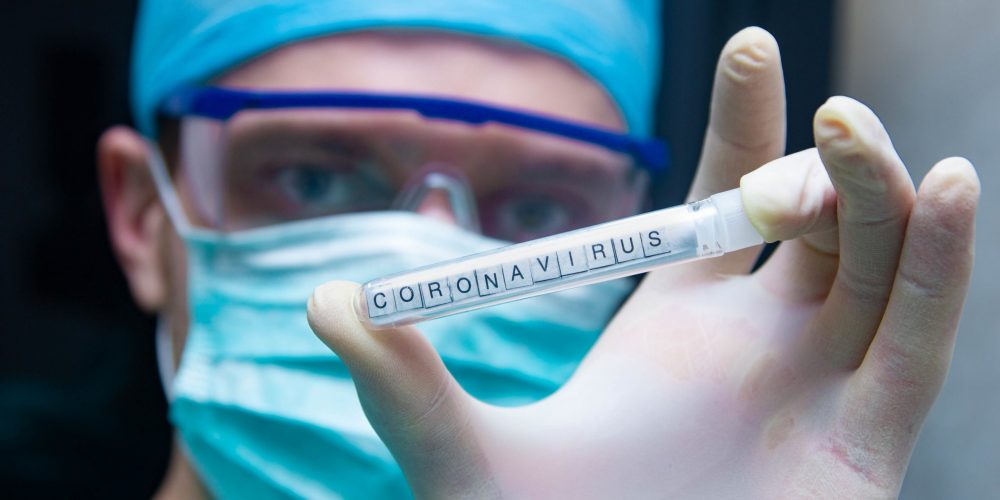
x: 637, y: 244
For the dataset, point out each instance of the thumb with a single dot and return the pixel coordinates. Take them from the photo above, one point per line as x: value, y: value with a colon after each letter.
x: 791, y: 197
x: 410, y: 398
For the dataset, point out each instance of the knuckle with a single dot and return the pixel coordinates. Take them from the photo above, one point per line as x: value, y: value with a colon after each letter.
x: 762, y: 149
x: 922, y: 285
x: 866, y: 287
x: 874, y: 213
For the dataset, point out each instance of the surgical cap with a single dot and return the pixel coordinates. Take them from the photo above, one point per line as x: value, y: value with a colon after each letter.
x: 187, y: 42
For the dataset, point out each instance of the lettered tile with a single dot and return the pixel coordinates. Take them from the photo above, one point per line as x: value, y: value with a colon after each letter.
x: 627, y: 247
x: 544, y: 267
x: 600, y: 254
x: 380, y: 302
x: 463, y: 286
x: 572, y: 261
x: 517, y: 274
x: 407, y: 297
x: 435, y: 293
x: 654, y: 242
x: 490, y: 280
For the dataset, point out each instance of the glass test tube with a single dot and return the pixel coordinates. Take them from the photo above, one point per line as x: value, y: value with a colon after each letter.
x: 616, y: 249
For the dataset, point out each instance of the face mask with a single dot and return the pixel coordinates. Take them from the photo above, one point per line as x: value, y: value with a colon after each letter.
x: 266, y: 410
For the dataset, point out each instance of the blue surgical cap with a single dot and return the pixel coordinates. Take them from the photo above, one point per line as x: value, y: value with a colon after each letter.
x: 186, y: 42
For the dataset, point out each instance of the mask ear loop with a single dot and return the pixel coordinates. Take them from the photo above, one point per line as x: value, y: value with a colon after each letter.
x: 165, y: 357
x: 168, y: 196
x: 442, y: 178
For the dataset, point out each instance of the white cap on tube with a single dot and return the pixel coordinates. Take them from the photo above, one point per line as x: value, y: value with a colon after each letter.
x: 740, y: 233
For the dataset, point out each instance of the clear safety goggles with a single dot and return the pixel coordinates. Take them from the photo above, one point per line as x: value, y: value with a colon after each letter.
x: 251, y: 159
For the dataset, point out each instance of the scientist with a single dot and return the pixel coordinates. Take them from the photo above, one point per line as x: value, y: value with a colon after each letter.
x: 281, y: 146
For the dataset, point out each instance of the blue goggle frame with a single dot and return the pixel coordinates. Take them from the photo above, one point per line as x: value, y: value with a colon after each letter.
x: 222, y: 103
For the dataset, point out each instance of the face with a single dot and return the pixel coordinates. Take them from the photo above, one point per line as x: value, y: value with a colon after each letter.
x: 151, y: 253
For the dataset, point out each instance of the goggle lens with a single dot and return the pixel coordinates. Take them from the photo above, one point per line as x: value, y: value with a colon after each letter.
x: 265, y: 167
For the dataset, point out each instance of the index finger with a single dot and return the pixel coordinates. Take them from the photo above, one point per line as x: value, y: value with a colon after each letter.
x: 746, y: 129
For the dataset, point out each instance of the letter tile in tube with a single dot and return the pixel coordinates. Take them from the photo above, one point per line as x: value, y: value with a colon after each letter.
x: 380, y: 302
x: 490, y: 280
x: 544, y: 267
x: 600, y: 254
x: 517, y: 274
x: 408, y: 297
x: 435, y: 293
x: 572, y: 261
x: 627, y: 247
x: 463, y: 286
x: 654, y: 242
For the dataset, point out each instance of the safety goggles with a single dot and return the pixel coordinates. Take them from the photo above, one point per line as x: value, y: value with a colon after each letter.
x: 251, y: 159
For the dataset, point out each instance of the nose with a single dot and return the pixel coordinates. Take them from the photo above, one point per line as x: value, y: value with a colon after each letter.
x: 443, y: 193
x: 437, y: 206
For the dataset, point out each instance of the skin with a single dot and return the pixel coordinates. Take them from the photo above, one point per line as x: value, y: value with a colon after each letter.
x: 808, y: 378
x: 149, y: 250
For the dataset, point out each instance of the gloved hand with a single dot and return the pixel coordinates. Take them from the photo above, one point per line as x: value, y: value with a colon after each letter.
x: 810, y: 377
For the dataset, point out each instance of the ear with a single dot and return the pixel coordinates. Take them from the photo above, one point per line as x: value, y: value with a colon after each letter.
x: 135, y: 216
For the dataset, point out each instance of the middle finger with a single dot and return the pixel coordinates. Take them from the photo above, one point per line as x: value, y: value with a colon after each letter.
x: 874, y: 199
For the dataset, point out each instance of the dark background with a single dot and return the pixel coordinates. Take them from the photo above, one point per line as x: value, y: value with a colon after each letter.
x: 81, y: 409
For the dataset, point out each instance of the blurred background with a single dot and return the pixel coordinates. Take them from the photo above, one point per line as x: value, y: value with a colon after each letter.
x: 81, y: 408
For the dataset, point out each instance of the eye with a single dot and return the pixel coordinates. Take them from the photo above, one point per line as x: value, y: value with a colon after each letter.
x: 537, y: 214
x: 314, y: 188
x: 533, y: 215
x: 309, y: 190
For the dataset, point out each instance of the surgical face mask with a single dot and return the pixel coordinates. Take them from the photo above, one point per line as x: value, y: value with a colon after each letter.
x: 266, y: 410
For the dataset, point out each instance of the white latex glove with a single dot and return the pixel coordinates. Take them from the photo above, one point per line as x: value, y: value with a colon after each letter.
x: 809, y: 378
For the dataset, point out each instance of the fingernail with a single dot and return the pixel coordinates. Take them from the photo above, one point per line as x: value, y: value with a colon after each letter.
x: 748, y: 54
x: 745, y: 62
x: 854, y: 145
x: 832, y: 129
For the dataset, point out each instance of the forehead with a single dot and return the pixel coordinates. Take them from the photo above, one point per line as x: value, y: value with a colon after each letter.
x: 404, y: 132
x: 433, y: 63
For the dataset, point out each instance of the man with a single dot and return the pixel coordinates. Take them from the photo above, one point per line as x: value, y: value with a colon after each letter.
x: 287, y: 131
